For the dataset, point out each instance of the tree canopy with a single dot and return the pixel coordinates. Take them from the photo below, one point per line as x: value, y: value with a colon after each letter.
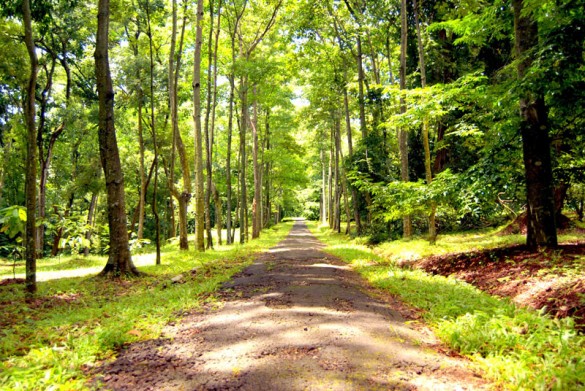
x: 387, y: 118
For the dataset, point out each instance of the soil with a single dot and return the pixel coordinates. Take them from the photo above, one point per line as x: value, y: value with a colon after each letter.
x: 551, y: 279
x: 297, y: 319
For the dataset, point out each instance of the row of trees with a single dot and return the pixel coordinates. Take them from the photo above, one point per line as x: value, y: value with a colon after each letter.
x: 469, y: 114
x: 414, y: 116
x: 201, y: 128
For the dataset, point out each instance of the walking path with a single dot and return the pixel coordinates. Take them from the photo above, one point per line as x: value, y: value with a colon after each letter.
x: 297, y: 319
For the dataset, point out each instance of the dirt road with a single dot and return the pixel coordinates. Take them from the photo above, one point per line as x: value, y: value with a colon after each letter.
x: 297, y: 319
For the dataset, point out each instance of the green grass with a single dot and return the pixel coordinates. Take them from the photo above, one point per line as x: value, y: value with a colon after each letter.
x: 75, y: 322
x: 518, y: 348
x: 410, y: 250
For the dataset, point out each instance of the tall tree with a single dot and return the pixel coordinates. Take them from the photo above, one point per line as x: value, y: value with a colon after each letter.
x: 183, y: 197
x: 233, y: 24
x: 534, y: 128
x: 402, y: 133
x: 31, y: 157
x: 154, y: 136
x: 119, y: 259
x: 425, y: 125
x: 199, y: 187
x: 257, y: 202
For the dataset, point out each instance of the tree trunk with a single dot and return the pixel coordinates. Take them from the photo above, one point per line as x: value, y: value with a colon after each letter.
x: 231, y: 77
x: 324, y: 189
x: 31, y: 156
x: 199, y: 188
x: 217, y: 200
x: 208, y: 144
x: 90, y: 221
x: 173, y: 113
x: 534, y: 127
x: 362, y: 99
x: 45, y: 158
x: 337, y: 146
x: 183, y: 197
x: 143, y: 187
x: 154, y: 138
x: 119, y: 259
x: 425, y: 128
x: 354, y: 193
x: 257, y: 203
x: 403, y: 134
x: 330, y: 184
x: 243, y: 191
x: 266, y: 174
x: 228, y: 167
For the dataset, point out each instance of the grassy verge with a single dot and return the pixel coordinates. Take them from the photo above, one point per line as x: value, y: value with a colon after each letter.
x: 519, y: 348
x: 74, y: 322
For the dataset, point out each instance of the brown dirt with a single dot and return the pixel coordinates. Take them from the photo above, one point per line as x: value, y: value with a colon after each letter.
x: 297, y: 319
x: 551, y: 279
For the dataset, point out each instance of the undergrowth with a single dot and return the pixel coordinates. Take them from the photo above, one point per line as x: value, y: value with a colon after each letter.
x: 53, y: 342
x: 519, y: 348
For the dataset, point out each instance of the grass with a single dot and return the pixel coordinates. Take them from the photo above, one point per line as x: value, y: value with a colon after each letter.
x: 410, y: 250
x: 74, y: 323
x: 518, y: 348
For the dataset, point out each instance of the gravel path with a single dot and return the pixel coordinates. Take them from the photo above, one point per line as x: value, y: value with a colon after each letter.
x: 297, y: 319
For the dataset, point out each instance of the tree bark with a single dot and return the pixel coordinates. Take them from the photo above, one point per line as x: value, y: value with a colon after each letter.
x: 231, y: 77
x: 534, y: 128
x: 425, y: 128
x: 257, y: 203
x: 142, y: 168
x: 31, y: 157
x: 45, y: 159
x: 90, y: 221
x: 228, y: 167
x: 217, y: 200
x: 199, y: 187
x: 362, y: 99
x: 354, y: 193
x: 182, y: 197
x: 154, y: 139
x: 119, y: 259
x: 208, y: 143
x: 403, y: 134
x: 243, y: 160
x: 336, y: 148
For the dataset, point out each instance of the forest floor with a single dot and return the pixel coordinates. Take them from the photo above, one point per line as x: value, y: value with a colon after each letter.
x: 553, y: 280
x: 296, y: 319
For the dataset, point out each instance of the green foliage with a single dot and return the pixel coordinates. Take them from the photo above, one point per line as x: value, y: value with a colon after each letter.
x: 12, y: 220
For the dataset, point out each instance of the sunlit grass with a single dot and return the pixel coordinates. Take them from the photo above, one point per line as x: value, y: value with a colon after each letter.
x: 76, y: 321
x: 518, y: 348
x: 141, y: 257
x: 404, y: 250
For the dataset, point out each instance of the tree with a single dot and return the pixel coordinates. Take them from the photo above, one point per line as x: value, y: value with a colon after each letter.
x: 31, y: 162
x: 119, y: 259
x: 403, y: 135
x: 183, y: 197
x: 425, y: 125
x: 199, y: 188
x: 534, y: 127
